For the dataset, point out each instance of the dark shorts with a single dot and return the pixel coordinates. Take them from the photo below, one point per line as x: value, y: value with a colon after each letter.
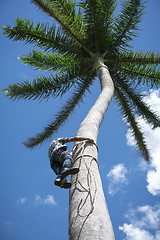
x: 59, y: 160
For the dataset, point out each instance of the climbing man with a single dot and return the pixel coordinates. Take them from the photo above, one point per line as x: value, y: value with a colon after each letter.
x: 61, y: 160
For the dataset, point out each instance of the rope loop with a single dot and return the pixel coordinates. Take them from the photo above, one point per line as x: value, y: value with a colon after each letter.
x: 84, y: 141
x: 91, y: 174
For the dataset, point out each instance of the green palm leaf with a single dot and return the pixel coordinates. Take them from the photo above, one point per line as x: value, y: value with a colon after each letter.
x: 144, y: 74
x: 61, y: 116
x: 136, y: 101
x: 126, y: 23
x: 41, y: 35
x: 98, y: 17
x: 64, y: 12
x: 129, y: 118
x: 49, y: 61
x: 138, y: 57
x: 41, y: 88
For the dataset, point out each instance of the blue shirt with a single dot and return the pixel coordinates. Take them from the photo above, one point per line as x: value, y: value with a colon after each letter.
x: 56, y: 144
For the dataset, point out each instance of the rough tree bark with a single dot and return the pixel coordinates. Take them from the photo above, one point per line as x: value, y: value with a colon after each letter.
x: 88, y: 213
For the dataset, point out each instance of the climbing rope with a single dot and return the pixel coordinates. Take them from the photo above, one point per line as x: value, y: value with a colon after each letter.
x: 84, y: 141
x: 91, y: 174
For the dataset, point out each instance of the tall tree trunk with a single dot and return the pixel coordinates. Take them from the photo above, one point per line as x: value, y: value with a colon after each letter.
x: 88, y: 213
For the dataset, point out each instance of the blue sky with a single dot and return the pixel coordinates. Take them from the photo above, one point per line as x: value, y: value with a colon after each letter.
x: 31, y: 206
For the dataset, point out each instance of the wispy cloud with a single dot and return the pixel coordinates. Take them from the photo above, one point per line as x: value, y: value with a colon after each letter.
x: 48, y: 200
x: 117, y: 178
x: 22, y: 200
x: 143, y: 223
x: 37, y: 200
x: 152, y: 137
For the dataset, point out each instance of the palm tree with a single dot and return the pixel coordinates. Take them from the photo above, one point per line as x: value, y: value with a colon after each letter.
x: 89, y: 41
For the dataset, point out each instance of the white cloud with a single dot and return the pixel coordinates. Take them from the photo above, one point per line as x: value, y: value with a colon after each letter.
x: 145, y: 216
x: 135, y: 233
x: 152, y: 137
x: 118, y: 173
x: 38, y: 200
x: 49, y: 200
x: 22, y: 200
x: 143, y: 223
x: 117, y: 178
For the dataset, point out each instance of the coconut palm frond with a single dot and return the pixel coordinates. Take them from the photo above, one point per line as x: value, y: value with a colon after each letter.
x: 136, y: 101
x: 126, y: 23
x: 98, y: 18
x: 139, y: 57
x: 61, y: 116
x: 42, y: 87
x: 129, y: 118
x: 148, y: 75
x: 42, y: 35
x: 49, y: 61
x: 64, y: 12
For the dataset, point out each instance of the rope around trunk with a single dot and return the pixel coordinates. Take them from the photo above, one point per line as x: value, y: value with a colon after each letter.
x: 90, y: 172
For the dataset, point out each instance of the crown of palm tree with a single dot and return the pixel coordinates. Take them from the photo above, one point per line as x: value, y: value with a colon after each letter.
x: 87, y: 31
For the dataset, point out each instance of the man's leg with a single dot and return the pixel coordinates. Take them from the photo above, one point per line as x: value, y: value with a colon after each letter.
x: 66, y: 160
x: 61, y: 181
x: 58, y: 171
x: 57, y: 168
